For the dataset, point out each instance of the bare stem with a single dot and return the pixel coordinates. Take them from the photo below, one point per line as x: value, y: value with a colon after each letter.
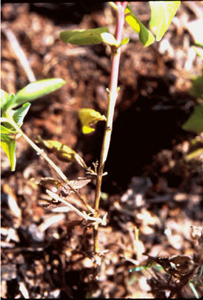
x: 112, y: 97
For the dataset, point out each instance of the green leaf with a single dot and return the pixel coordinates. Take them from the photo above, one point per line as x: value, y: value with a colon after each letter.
x: 145, y: 36
x: 83, y: 36
x: 197, y: 87
x: 195, y: 121
x: 162, y: 12
x: 20, y: 113
x: 6, y: 101
x: 4, y: 98
x: 124, y: 41
x: 5, y: 130
x: 109, y: 39
x: 88, y: 118
x: 37, y: 89
x: 8, y: 144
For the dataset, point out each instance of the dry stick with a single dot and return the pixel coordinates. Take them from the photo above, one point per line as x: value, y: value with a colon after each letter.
x: 112, y: 96
x: 19, y: 52
x: 72, y: 207
x: 51, y: 163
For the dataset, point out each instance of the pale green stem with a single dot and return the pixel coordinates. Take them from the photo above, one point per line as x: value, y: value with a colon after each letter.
x: 112, y: 97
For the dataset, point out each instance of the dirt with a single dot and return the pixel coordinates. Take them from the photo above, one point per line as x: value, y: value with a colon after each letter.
x: 152, y: 195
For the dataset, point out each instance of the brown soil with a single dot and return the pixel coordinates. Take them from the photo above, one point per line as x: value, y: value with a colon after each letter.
x: 150, y: 186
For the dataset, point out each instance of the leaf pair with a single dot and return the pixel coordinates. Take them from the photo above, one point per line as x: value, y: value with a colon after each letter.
x: 8, y: 102
x: 162, y: 13
x: 90, y: 37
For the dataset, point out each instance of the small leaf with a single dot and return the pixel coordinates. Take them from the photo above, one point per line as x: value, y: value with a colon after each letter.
x: 62, y: 152
x: 109, y: 39
x: 145, y: 36
x: 20, y: 113
x: 37, y: 89
x: 195, y: 121
x: 83, y: 36
x: 6, y: 100
x: 162, y: 12
x: 88, y: 118
x: 124, y: 41
x: 8, y: 144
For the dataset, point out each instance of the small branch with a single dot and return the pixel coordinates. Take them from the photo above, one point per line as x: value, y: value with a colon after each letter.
x: 81, y: 214
x: 50, y: 162
x: 18, y: 52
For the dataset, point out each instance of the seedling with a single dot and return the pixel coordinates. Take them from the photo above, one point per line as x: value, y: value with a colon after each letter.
x: 15, y: 107
x: 161, y: 16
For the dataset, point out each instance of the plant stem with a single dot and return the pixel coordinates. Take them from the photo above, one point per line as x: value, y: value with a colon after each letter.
x: 112, y: 97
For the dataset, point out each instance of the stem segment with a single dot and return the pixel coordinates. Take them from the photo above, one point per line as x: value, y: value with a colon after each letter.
x: 112, y: 97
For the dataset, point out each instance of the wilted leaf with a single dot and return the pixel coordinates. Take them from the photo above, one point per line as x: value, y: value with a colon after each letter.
x: 145, y: 36
x: 37, y: 89
x: 162, y: 12
x: 195, y: 121
x: 60, y: 187
x: 88, y: 118
x: 177, y: 265
x: 63, y: 152
x: 83, y: 36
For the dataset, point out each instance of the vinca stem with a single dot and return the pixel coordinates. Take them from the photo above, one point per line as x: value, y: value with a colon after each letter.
x: 112, y: 97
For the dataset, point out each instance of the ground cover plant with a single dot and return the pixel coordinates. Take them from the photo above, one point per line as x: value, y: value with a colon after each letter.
x: 181, y: 268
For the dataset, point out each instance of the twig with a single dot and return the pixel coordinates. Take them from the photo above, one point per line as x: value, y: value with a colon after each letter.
x: 18, y: 52
x: 81, y: 214
x: 50, y: 162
